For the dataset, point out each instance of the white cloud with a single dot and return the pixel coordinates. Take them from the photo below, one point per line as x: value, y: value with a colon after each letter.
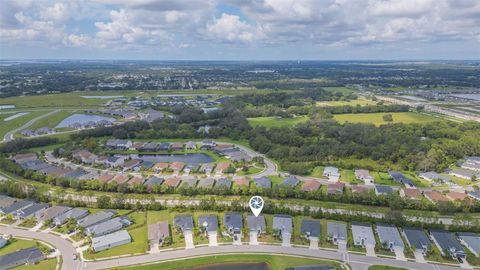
x: 231, y: 29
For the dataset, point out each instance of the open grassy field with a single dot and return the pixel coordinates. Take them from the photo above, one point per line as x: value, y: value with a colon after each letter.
x: 355, y: 102
x: 275, y: 262
x: 6, y: 126
x: 51, y: 121
x: 15, y: 245
x: 276, y: 122
x: 376, y: 118
x: 343, y: 90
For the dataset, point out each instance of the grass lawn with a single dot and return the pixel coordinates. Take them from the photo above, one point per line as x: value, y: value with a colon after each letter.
x: 276, y: 121
x: 28, y: 223
x: 382, y: 178
x: 139, y: 244
x: 348, y: 176
x: 251, y: 170
x: 16, y: 244
x: 384, y: 267
x: 376, y: 118
x: 275, y: 262
x: 49, y: 264
x: 276, y: 179
x: 343, y: 90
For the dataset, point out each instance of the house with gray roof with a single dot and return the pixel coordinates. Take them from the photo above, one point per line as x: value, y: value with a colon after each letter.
x: 383, y: 190
x: 34, y: 210
x: 3, y: 242
x: 471, y: 241
x: 263, y: 182
x: 447, y: 244
x: 337, y: 232
x: 389, y: 237
x: 190, y: 145
x: 283, y: 224
x: 188, y: 182
x: 206, y: 183
x: 463, y: 173
x: 435, y: 177
x: 417, y: 239
x: 75, y: 213
x: 207, y: 168
x: 96, y: 218
x: 363, y: 234
x: 332, y: 173
x: 53, y: 212
x: 256, y: 224
x: 475, y: 195
x: 183, y: 222
x: 111, y: 240
x: 154, y: 180
x: 208, y: 223
x: 6, y: 201
x: 291, y: 181
x: 29, y: 256
x: 108, y: 226
x: 158, y: 232
x: 233, y: 222
x: 16, y: 206
x: 223, y: 183
x: 310, y: 228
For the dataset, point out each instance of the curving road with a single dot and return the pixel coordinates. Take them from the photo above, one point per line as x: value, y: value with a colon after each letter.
x: 64, y: 246
x: 9, y: 135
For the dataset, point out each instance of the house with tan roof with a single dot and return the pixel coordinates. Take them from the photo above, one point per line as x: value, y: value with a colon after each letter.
x: 242, y: 182
x: 160, y: 166
x: 435, y: 196
x: 456, y: 196
x: 177, y: 166
x: 410, y: 193
x: 131, y: 164
x: 177, y: 146
x: 20, y: 158
x: 221, y: 167
x: 335, y: 188
x: 104, y: 178
x: 311, y: 185
x: 360, y: 189
x: 137, y: 180
x: 120, y: 178
x: 172, y: 182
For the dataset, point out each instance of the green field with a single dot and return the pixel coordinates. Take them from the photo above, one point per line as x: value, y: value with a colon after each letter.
x: 275, y: 262
x: 355, y: 102
x: 49, y: 264
x: 6, y: 126
x: 376, y: 118
x: 343, y: 90
x: 276, y: 122
x: 51, y: 121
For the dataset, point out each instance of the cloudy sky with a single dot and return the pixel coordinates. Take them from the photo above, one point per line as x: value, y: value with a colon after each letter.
x: 240, y: 29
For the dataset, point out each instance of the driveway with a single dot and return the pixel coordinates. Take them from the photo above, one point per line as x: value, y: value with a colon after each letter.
x: 419, y: 257
x: 253, y: 238
x: 286, y: 236
x: 370, y: 250
x: 342, y: 246
x: 399, y: 255
x: 188, y: 239
x: 313, y: 243
x: 237, y: 239
x: 212, y: 239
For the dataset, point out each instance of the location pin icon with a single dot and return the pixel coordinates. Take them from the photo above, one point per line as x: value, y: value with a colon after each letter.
x: 256, y: 205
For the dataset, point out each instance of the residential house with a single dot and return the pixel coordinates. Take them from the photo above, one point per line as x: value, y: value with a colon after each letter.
x: 15, y: 206
x: 177, y: 166
x: 27, y: 256
x: 136, y: 180
x: 435, y: 177
x: 96, y: 218
x: 108, y: 226
x: 183, y: 222
x: 221, y: 167
x: 84, y: 156
x: 233, y: 223
x: 188, y: 182
x: 208, y: 144
x: 131, y: 164
x: 53, y: 212
x: 119, y: 144
x: 157, y: 232
x: 191, y: 145
x: 417, y: 239
x: 206, y: 183
x: 111, y: 240
x: 435, y: 196
x: 256, y: 224
x: 335, y: 188
x: 6, y: 201
x: 332, y: 173
x: 150, y: 147
x: 282, y: 226
x: 471, y: 241
x: 120, y: 178
x: 223, y: 183
x: 456, y: 196
x: 310, y: 228
x: 207, y: 168
x: 473, y: 166
x: 464, y: 174
x: 242, y: 182
x: 22, y: 158
x: 104, y: 178
x: 3, y: 242
x: 337, y: 232
x: 383, y: 190
x: 153, y: 181
x: 137, y: 146
x: 447, y: 244
x: 360, y: 189
x: 160, y: 166
x: 165, y: 146
x: 411, y: 193
x: 363, y: 235
x: 292, y: 181
x: 364, y: 175
x: 172, y: 182
x: 74, y: 213
x: 475, y: 195
x: 390, y: 237
x: 35, y: 210
x: 208, y: 224
x: 311, y: 185
x: 177, y: 146
x: 114, y: 161
x: 263, y: 182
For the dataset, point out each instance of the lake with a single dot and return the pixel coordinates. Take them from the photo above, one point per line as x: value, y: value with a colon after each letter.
x: 82, y: 119
x: 194, y: 159
x: 235, y: 266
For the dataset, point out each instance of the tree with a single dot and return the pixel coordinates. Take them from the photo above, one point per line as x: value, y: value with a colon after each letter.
x: 387, y: 118
x: 103, y: 202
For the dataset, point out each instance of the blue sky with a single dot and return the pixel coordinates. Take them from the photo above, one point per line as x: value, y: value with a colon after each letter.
x: 240, y: 29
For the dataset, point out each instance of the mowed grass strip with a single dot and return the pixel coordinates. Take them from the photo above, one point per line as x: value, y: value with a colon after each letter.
x: 276, y: 121
x: 6, y: 126
x: 52, y: 120
x: 275, y: 262
x: 377, y: 118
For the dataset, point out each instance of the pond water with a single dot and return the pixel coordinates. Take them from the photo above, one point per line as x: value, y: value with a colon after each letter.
x: 194, y: 159
x: 235, y: 266
x: 82, y: 119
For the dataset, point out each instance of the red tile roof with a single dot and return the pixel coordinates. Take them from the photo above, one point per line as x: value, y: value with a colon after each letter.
x: 311, y: 185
